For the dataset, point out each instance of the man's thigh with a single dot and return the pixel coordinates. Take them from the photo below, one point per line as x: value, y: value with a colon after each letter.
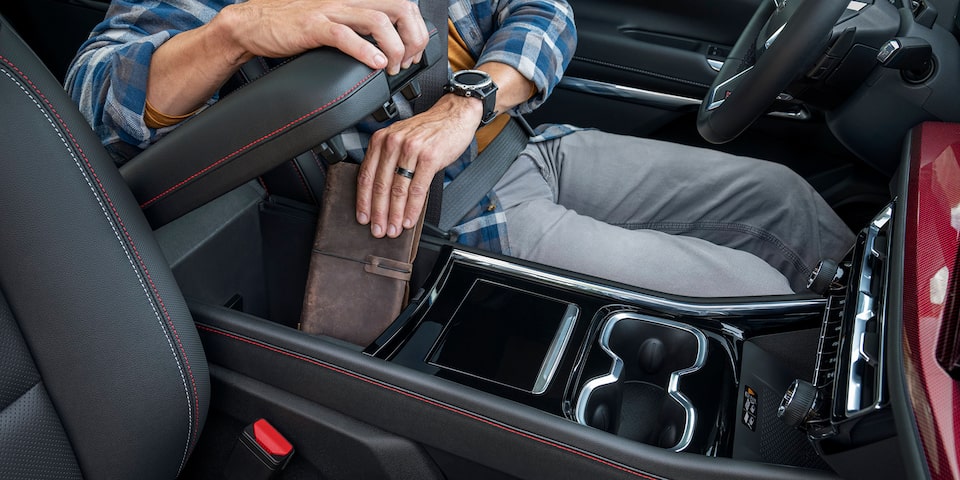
x: 545, y: 232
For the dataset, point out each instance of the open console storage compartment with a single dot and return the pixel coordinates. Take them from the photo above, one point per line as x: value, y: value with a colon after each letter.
x: 519, y: 346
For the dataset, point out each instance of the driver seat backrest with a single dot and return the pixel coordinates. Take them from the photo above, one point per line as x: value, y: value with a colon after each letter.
x: 102, y: 374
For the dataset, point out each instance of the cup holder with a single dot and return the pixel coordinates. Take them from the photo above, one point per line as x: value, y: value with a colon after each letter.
x: 640, y: 398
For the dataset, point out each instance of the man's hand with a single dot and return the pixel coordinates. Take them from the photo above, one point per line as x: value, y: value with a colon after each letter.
x: 424, y: 144
x: 280, y: 28
x: 187, y: 69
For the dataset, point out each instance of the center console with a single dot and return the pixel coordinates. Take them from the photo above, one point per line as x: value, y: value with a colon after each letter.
x: 719, y: 379
x: 492, y: 344
x: 646, y: 368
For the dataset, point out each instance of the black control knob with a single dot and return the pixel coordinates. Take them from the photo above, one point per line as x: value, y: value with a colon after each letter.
x: 798, y: 403
x: 823, y: 275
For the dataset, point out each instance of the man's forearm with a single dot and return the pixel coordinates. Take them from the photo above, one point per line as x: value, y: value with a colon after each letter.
x: 512, y: 87
x: 189, y: 68
x: 535, y: 37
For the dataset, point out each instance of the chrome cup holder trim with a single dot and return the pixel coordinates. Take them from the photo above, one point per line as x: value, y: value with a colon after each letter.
x: 673, y: 385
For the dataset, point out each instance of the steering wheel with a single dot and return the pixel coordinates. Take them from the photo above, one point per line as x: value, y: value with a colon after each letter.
x: 781, y: 40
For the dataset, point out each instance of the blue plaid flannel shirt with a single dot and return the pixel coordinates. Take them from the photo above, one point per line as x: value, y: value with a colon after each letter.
x: 109, y: 75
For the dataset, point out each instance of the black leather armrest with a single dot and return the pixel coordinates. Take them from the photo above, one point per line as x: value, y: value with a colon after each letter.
x: 284, y: 113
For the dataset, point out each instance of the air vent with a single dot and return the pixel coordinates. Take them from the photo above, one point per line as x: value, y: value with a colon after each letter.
x: 860, y: 386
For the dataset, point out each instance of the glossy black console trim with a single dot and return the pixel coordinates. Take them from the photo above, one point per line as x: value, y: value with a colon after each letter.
x: 463, y: 355
x: 411, y: 341
x: 662, y: 304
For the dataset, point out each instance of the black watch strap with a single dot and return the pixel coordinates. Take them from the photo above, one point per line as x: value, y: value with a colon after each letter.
x: 475, y: 84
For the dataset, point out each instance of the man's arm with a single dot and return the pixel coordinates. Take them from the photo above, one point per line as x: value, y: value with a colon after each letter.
x: 189, y: 68
x: 425, y: 144
x: 183, y: 50
x: 538, y: 38
x: 526, y: 52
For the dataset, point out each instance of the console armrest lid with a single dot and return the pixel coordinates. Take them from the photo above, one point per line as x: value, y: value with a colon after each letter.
x: 286, y: 112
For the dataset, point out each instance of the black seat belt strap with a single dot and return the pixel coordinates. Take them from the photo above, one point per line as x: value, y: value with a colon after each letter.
x: 475, y: 181
x: 431, y: 84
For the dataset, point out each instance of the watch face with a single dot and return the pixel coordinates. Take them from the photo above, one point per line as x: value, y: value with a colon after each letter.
x: 472, y: 78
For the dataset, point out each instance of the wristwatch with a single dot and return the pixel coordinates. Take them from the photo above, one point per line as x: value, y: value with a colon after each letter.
x: 475, y: 84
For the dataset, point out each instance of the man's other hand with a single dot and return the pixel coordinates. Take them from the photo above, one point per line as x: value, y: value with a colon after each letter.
x: 424, y: 144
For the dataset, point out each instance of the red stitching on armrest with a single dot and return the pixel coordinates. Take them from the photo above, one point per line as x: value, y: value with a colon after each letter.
x: 255, y: 142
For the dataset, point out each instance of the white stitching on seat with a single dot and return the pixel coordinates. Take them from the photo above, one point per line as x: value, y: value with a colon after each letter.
x: 126, y: 251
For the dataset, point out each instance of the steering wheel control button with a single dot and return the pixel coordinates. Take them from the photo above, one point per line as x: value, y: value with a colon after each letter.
x: 798, y: 403
x: 723, y: 91
x: 475, y: 84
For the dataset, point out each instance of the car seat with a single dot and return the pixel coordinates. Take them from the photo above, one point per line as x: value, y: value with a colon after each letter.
x: 102, y: 374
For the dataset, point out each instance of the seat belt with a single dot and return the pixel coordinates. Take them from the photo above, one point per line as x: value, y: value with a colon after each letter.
x: 431, y: 85
x: 446, y: 206
x: 435, y: 77
x: 475, y: 181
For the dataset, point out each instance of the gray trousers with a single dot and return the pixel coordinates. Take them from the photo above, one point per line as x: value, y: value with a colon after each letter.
x: 667, y: 217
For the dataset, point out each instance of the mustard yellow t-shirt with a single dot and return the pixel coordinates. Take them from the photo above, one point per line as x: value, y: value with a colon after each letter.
x: 459, y: 57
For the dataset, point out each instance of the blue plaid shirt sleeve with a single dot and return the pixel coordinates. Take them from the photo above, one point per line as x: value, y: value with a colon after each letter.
x: 536, y: 37
x: 108, y: 77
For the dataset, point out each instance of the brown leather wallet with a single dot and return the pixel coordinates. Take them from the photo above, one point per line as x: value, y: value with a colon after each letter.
x: 357, y: 284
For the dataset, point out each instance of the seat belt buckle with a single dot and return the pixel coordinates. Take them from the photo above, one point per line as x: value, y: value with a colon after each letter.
x: 259, y: 454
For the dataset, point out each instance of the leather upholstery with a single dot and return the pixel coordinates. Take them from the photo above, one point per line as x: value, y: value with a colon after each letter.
x: 305, y: 101
x: 280, y: 114
x: 102, y: 370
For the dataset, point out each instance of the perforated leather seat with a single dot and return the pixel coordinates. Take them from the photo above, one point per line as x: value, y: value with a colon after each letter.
x: 102, y: 374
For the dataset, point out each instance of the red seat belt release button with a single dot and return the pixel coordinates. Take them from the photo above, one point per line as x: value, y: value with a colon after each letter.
x: 270, y: 439
x: 260, y: 453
